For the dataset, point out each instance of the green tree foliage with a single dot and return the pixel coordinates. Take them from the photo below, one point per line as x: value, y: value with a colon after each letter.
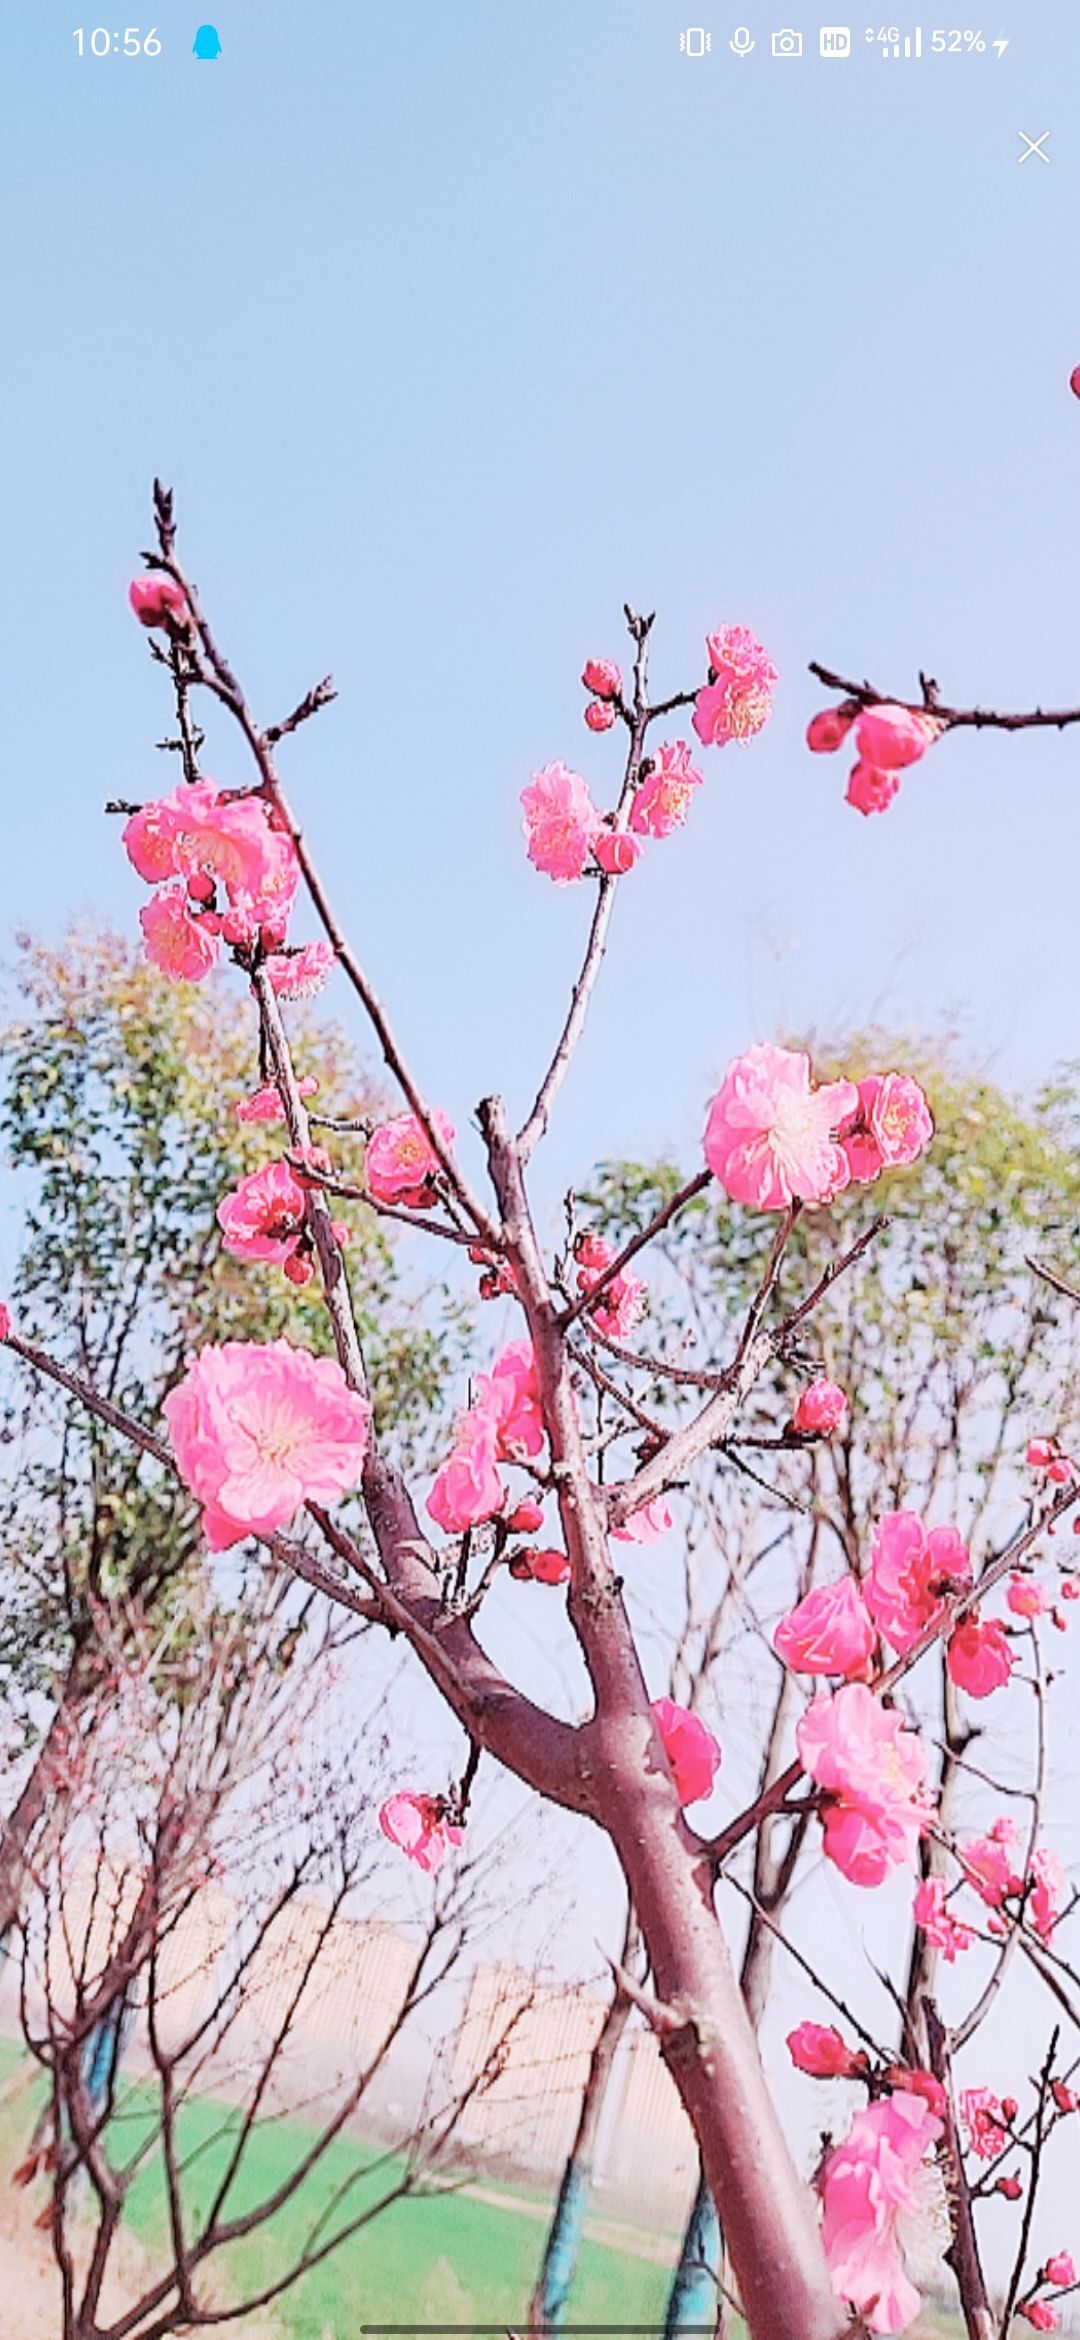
x: 952, y: 1350
x: 118, y: 1118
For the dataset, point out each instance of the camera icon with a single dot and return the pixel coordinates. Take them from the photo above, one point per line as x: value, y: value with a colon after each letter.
x: 787, y: 43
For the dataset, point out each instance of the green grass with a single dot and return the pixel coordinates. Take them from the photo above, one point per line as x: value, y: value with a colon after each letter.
x: 439, y: 2259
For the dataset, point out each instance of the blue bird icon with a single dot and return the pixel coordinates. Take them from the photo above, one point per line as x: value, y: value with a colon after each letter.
x: 207, y: 42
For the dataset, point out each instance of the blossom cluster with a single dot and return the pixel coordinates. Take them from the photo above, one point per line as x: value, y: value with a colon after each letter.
x: 224, y: 870
x: 623, y: 1300
x: 503, y: 1424
x: 265, y: 1217
x: 567, y: 836
x: 773, y: 1137
x: 878, y: 2188
x: 888, y: 740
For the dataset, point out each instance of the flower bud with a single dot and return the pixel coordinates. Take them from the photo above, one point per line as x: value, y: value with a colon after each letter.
x: 828, y: 730
x: 616, y: 851
x: 528, y: 1516
x: 157, y: 599
x: 602, y: 676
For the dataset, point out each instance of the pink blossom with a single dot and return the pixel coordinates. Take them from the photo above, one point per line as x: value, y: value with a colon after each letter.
x: 1045, y: 1455
x: 599, y: 715
x: 1026, y: 1597
x: 183, y: 947
x: 663, y: 799
x: 770, y: 1135
x: 258, y: 1430
x: 872, y: 1770
x: 989, y: 1863
x: 891, y: 1126
x: 869, y: 2184
x: 526, y: 1517
x: 980, y: 1657
x: 912, y: 1570
x: 602, y: 676
x: 1049, y: 1887
x: 739, y: 700
x: 1010, y: 2187
x: 931, y: 1913
x: 1039, y: 2313
x: 892, y: 737
x: 201, y: 832
x: 820, y: 1410
x: 621, y: 1304
x: 265, y: 1103
x: 871, y: 791
x: 819, y: 2049
x: 417, y: 1826
x: 1065, y: 2099
x: 616, y: 851
x: 300, y: 974
x: 468, y: 1489
x: 828, y: 730
x: 1061, y: 2269
x: 541, y: 1567
x: 561, y: 823
x: 983, y: 2116
x: 401, y: 1165
x: 691, y: 1750
x: 646, y: 1526
x: 510, y: 1396
x: 828, y: 1633
x: 5, y: 1321
x: 918, y: 2083
x: 264, y: 1216
x: 156, y: 598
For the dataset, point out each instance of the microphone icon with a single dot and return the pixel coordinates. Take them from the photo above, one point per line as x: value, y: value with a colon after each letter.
x: 741, y: 41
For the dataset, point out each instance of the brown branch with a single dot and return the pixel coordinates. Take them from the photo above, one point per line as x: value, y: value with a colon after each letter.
x: 865, y: 694
x: 660, y: 1220
x: 1035, y: 2173
x: 540, y: 1112
x: 963, y: 2253
x: 212, y: 670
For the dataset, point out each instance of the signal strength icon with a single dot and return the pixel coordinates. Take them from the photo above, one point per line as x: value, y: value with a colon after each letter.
x: 910, y: 47
x: 695, y: 40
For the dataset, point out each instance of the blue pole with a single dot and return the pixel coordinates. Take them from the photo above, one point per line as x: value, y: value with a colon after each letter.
x: 694, y: 2294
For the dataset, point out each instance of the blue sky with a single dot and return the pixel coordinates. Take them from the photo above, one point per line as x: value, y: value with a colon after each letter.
x: 453, y: 328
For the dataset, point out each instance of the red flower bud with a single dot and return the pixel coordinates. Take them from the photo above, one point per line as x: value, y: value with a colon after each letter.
x: 156, y: 599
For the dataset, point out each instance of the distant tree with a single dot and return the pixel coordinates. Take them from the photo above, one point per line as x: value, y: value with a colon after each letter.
x: 118, y: 1097
x: 203, y: 1903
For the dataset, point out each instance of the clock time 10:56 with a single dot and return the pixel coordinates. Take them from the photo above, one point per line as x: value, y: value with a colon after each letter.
x: 132, y: 42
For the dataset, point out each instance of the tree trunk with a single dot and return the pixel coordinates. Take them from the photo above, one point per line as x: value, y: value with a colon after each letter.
x: 933, y: 1862
x: 41, y: 1791
x: 698, y: 2293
